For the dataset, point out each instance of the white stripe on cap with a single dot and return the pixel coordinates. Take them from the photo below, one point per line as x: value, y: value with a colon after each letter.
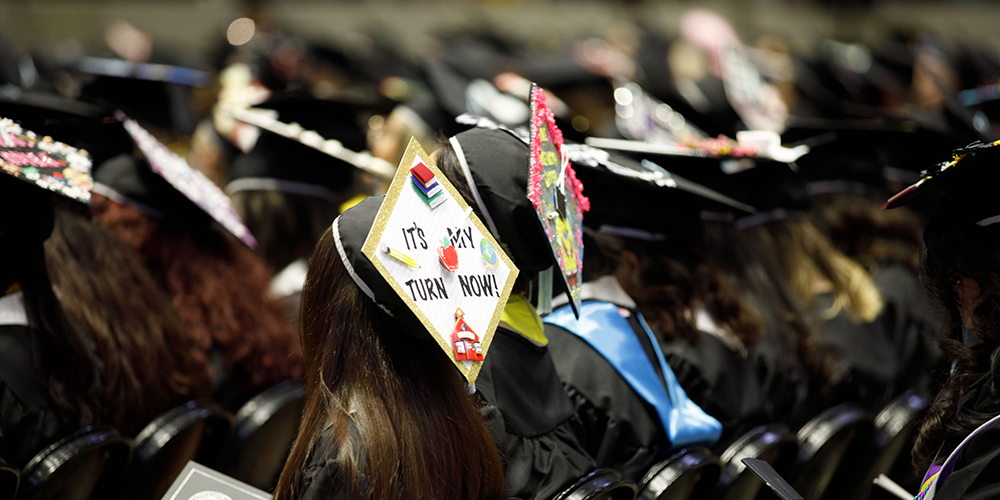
x: 989, y: 221
x: 472, y: 186
x: 631, y: 232
x: 350, y: 269
x: 282, y: 185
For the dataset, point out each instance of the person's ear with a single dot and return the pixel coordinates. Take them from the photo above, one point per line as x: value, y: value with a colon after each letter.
x: 968, y: 293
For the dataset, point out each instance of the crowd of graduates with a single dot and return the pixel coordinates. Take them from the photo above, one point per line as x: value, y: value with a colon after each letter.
x: 741, y: 262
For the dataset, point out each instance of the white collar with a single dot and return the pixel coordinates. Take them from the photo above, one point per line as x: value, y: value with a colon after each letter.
x: 605, y: 289
x: 13, y: 310
x: 289, y: 281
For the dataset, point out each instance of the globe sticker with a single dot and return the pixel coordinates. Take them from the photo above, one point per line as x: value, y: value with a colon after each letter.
x: 489, y: 254
x: 441, y: 260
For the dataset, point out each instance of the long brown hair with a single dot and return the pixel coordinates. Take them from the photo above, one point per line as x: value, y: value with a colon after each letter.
x: 674, y: 281
x: 860, y: 229
x: 285, y: 225
x: 953, y: 249
x: 150, y: 364
x: 64, y: 362
x: 808, y: 257
x: 418, y: 432
x: 218, y: 287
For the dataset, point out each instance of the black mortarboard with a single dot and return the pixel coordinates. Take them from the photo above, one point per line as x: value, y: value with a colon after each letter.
x: 642, y: 200
x: 968, y: 181
x: 350, y: 230
x: 284, y: 163
x: 496, y: 165
x: 156, y: 94
x: 762, y: 183
x: 164, y: 185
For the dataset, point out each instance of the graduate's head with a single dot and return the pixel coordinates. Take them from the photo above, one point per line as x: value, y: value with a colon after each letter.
x: 368, y: 367
x: 960, y: 269
x: 490, y: 168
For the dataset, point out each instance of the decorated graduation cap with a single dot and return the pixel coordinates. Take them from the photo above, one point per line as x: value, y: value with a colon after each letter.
x: 557, y: 195
x: 426, y: 259
x: 311, y: 148
x: 164, y: 184
x: 968, y: 181
x: 44, y: 162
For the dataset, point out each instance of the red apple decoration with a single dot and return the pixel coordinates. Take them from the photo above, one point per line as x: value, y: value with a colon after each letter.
x: 448, y: 255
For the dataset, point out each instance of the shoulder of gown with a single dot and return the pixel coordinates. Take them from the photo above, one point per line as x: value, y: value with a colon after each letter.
x: 621, y: 430
x: 531, y: 417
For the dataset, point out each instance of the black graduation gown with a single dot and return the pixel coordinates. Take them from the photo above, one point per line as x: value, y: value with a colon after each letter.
x: 793, y: 396
x: 29, y: 419
x: 976, y: 474
x: 721, y: 381
x: 531, y: 418
x: 866, y: 366
x: 321, y: 476
x: 621, y: 430
x: 911, y: 323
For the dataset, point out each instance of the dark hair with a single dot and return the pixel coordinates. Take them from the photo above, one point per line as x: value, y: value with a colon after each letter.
x: 676, y: 279
x: 807, y: 256
x: 219, y: 289
x: 417, y: 426
x: 860, y: 229
x: 64, y: 362
x: 758, y: 273
x: 953, y: 249
x: 285, y: 225
x: 150, y: 363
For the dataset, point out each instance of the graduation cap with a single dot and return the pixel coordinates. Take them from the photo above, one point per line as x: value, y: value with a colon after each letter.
x: 968, y: 181
x: 641, y: 200
x: 311, y: 148
x: 434, y: 267
x: 44, y: 162
x: 163, y: 184
x: 641, y: 117
x: 774, y: 188
x: 557, y: 196
x: 158, y: 94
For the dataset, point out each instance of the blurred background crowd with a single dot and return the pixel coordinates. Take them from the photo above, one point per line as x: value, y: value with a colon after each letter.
x: 817, y: 310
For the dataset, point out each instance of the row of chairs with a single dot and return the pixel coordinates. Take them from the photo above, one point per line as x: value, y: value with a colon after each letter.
x: 99, y: 463
x: 836, y: 455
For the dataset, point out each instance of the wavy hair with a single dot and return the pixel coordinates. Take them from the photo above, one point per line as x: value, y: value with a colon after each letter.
x: 418, y: 430
x: 961, y: 250
x: 219, y: 289
x: 150, y: 364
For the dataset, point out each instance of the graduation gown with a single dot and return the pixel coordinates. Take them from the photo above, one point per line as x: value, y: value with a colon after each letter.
x: 911, y: 323
x: 321, y: 476
x: 528, y: 412
x: 29, y: 419
x: 792, y: 395
x: 866, y: 367
x: 976, y: 473
x: 621, y: 430
x: 719, y: 377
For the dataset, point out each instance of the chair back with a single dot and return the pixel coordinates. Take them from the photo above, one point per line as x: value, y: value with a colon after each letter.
x: 196, y: 431
x: 263, y: 432
x: 10, y: 478
x: 895, y: 427
x: 77, y: 466
x: 602, y: 484
x: 689, y: 473
x: 838, y: 435
x: 772, y: 443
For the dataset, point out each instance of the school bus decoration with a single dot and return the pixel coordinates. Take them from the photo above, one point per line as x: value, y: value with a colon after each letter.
x: 465, y: 341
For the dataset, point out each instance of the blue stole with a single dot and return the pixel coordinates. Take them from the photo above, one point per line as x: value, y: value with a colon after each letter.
x: 611, y: 335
